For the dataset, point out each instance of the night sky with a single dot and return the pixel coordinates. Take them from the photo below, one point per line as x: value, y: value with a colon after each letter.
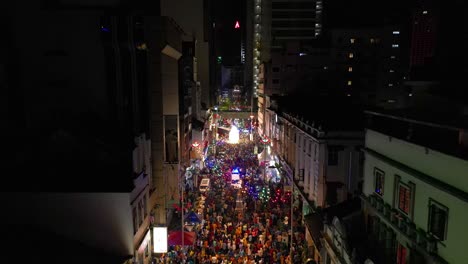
x: 228, y: 38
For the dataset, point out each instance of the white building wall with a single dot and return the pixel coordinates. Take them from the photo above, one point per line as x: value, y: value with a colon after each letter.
x: 426, y: 160
x: 453, y: 249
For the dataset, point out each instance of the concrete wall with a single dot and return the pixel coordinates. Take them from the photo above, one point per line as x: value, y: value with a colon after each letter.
x: 99, y: 220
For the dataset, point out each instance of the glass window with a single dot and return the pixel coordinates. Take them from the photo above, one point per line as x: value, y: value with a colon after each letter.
x: 275, y: 81
x: 145, y: 209
x: 140, y: 212
x: 352, y: 40
x: 315, y: 152
x: 332, y: 156
x: 401, y: 254
x: 404, y: 198
x: 350, y: 69
x: 135, y: 220
x: 276, y: 69
x: 438, y: 216
x: 379, y: 179
x: 350, y: 83
x: 351, y: 55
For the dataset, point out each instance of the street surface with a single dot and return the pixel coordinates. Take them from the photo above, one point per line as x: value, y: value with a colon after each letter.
x: 250, y: 224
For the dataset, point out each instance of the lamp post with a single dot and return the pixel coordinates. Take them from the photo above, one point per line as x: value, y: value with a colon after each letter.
x: 251, y: 125
x: 182, y: 211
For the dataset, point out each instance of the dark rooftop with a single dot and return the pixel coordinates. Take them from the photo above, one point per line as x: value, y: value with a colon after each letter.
x: 422, y: 127
x: 331, y: 113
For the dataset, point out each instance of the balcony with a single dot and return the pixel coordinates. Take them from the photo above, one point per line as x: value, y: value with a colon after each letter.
x: 422, y: 241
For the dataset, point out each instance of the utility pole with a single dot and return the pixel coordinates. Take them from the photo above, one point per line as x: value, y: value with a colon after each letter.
x: 182, y: 210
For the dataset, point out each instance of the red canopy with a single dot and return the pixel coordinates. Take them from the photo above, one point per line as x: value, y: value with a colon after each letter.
x: 175, y: 238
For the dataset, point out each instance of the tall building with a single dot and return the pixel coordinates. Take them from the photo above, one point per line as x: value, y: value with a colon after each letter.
x: 193, y: 16
x: 82, y: 125
x: 277, y: 22
x: 423, y: 34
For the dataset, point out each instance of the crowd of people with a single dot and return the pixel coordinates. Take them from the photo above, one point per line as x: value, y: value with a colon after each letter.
x: 235, y: 225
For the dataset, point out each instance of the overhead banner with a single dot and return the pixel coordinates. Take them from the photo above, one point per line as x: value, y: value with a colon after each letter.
x: 160, y: 239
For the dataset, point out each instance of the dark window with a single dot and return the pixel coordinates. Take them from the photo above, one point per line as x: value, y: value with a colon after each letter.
x: 301, y: 174
x: 140, y: 212
x: 315, y: 152
x: 332, y: 155
x: 145, y: 209
x: 293, y: 5
x: 379, y: 177
x: 276, y: 69
x: 438, y: 216
x: 135, y: 220
x: 404, y: 198
x: 275, y: 81
x: 289, y: 14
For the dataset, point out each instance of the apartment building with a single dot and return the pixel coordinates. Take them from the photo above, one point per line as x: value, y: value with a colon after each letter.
x: 414, y: 194
x: 320, y: 152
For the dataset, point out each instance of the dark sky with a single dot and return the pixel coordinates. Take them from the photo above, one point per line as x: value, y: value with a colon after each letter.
x: 228, y: 39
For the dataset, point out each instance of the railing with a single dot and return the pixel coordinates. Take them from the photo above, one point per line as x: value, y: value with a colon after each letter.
x: 421, y: 239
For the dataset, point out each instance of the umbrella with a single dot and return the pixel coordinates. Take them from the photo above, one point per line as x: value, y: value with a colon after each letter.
x: 192, y: 218
x: 175, y: 238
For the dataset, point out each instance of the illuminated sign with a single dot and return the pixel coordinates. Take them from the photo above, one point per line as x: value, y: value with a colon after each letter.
x: 160, y: 239
x: 237, y: 25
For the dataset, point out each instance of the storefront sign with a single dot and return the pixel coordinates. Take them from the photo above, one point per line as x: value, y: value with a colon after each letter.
x: 160, y: 239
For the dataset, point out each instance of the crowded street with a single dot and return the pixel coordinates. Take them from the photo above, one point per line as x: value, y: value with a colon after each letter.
x: 243, y: 216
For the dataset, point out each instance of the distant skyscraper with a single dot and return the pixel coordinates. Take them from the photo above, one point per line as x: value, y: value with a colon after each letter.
x: 423, y: 35
x: 275, y: 23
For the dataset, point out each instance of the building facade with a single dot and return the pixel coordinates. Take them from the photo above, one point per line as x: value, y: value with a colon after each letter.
x: 414, y: 196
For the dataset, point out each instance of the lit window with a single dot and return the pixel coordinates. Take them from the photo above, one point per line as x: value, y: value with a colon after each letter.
x: 438, y: 215
x: 350, y: 82
x: 410, y: 94
x: 302, y: 54
x: 396, y: 32
x: 401, y: 254
x: 348, y: 95
x: 350, y: 69
x: 379, y: 178
x: 352, y: 40
x: 425, y: 12
x: 325, y: 67
x: 404, y: 198
x: 391, y: 70
x: 372, y: 40
x: 390, y: 84
x: 351, y: 55
x: 395, y: 45
x: 392, y: 57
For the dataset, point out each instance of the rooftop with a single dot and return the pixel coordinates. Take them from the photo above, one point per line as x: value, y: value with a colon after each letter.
x: 422, y: 127
x: 335, y: 113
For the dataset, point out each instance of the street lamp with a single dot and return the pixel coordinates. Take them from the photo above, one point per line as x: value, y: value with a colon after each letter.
x: 251, y: 124
x: 265, y: 142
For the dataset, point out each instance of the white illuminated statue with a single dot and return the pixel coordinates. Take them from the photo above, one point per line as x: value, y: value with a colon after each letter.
x: 234, y: 135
